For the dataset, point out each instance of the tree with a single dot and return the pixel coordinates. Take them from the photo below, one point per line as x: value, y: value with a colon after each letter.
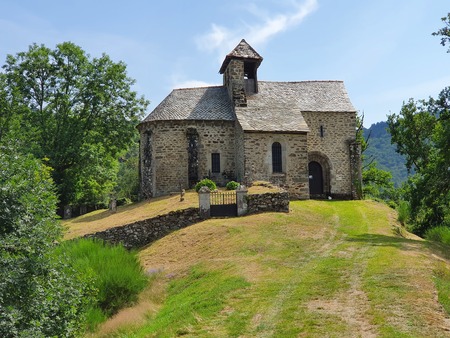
x: 78, y: 112
x: 128, y: 175
x: 377, y: 183
x: 40, y: 296
x: 421, y: 132
x: 444, y: 32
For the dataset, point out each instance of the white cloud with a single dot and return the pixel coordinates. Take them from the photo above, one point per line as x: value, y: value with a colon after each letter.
x: 215, y: 38
x: 193, y: 83
x: 222, y: 39
x: 272, y: 26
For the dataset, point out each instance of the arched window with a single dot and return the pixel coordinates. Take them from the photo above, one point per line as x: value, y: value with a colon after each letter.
x: 277, y: 166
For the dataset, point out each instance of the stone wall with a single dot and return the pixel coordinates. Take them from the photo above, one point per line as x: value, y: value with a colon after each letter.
x: 329, y: 142
x: 355, y: 163
x: 239, y: 156
x: 258, y: 161
x: 146, y: 172
x: 141, y: 233
x: 268, y: 202
x: 164, y: 153
x: 233, y: 79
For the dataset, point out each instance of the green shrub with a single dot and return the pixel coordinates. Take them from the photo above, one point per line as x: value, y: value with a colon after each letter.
x: 403, y: 212
x: 206, y: 182
x: 439, y: 234
x: 442, y: 282
x: 391, y: 204
x: 94, y: 317
x: 118, y: 275
x: 40, y: 294
x: 123, y: 201
x: 232, y: 185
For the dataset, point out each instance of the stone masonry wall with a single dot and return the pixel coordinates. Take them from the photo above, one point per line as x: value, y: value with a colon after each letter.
x: 141, y: 233
x: 146, y: 176
x: 167, y: 153
x: 233, y: 79
x: 239, y: 155
x: 333, y: 142
x: 268, y: 202
x: 258, y: 161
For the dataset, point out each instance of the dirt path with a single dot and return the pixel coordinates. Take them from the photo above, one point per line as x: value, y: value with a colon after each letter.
x: 353, y: 305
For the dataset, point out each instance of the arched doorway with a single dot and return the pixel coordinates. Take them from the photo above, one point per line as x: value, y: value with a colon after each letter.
x: 315, y: 178
x: 319, y: 167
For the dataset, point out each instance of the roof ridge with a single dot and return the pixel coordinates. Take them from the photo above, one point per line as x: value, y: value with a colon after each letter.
x: 304, y: 81
x: 202, y: 87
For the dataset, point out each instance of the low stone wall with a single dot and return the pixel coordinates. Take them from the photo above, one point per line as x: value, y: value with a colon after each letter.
x: 141, y: 233
x: 268, y: 202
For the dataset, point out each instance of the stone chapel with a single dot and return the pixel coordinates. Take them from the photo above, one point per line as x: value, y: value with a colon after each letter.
x: 299, y: 135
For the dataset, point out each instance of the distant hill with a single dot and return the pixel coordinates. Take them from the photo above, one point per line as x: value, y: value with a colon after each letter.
x: 381, y: 149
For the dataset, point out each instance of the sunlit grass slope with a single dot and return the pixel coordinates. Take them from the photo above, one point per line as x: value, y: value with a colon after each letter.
x: 104, y: 219
x: 326, y: 269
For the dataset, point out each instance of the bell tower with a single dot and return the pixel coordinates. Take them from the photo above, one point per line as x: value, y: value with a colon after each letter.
x: 239, y: 71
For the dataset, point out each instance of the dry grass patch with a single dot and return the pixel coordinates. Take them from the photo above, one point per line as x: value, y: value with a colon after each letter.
x: 104, y: 219
x: 149, y: 303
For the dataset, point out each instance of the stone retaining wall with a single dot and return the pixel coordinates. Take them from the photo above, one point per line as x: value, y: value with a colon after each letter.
x: 268, y: 202
x: 141, y: 233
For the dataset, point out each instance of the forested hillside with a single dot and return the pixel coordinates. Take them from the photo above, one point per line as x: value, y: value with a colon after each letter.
x: 383, y: 152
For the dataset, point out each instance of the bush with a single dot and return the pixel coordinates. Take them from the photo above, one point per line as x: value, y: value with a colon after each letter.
x: 118, y: 275
x: 439, y: 234
x: 123, y: 201
x: 206, y: 182
x: 232, y: 185
x: 403, y: 212
x: 40, y: 294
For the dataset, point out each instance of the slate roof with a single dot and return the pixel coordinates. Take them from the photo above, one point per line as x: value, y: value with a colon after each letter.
x: 318, y: 96
x: 277, y: 107
x: 206, y: 103
x: 242, y: 51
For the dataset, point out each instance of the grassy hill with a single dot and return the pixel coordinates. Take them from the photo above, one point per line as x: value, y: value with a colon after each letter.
x: 326, y: 269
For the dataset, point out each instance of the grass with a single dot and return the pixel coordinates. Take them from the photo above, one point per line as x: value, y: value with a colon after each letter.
x: 439, y: 234
x: 442, y: 280
x: 116, y: 274
x: 326, y: 269
x: 104, y: 219
x: 201, y: 294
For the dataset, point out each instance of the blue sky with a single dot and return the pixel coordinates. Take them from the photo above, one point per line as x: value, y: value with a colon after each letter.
x: 383, y: 50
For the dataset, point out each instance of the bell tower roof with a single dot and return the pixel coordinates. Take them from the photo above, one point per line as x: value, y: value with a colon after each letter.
x: 242, y: 51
